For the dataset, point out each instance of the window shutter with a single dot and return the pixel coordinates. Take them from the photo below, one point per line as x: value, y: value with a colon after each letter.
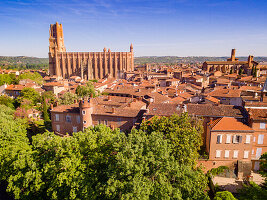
x: 248, y: 139
x: 260, y: 139
x: 240, y: 139
x: 228, y: 139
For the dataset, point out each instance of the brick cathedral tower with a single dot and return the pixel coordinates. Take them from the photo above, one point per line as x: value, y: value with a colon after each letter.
x: 56, y: 44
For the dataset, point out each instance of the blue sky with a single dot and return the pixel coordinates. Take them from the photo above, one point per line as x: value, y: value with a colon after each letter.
x: 159, y: 28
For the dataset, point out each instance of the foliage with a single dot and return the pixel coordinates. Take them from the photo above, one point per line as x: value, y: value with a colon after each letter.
x: 8, y: 79
x: 86, y: 90
x: 49, y: 96
x: 225, y: 195
x: 217, y: 171
x: 146, y: 168
x: 254, y: 71
x: 7, y: 101
x: 30, y: 94
x: 252, y: 191
x: 241, y: 71
x: 67, y: 98
x: 183, y: 131
x: 263, y: 166
x: 14, y: 144
x: 35, y: 76
x: 98, y: 163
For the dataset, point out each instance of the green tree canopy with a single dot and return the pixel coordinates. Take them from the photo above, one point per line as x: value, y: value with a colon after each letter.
x: 8, y: 79
x: 86, y: 90
x: 68, y: 98
x: 224, y: 195
x: 183, y: 131
x: 252, y: 191
x: 30, y: 94
x: 7, y: 101
x: 35, y: 76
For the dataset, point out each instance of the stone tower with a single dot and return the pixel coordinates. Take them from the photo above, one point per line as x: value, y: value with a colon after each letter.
x: 86, y: 110
x: 233, y: 58
x: 56, y: 44
x: 56, y: 39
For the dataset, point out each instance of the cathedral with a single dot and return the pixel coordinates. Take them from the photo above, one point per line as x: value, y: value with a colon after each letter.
x: 87, y: 65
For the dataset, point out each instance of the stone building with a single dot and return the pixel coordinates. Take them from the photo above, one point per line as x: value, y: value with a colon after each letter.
x: 87, y: 65
x: 232, y: 65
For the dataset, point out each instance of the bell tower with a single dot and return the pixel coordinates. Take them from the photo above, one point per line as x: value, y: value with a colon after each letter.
x: 56, y: 39
x: 56, y: 44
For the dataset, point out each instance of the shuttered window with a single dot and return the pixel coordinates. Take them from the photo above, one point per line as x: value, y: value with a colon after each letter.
x: 218, y: 153
x: 248, y: 139
x: 260, y: 139
x: 228, y: 139
x: 235, y: 154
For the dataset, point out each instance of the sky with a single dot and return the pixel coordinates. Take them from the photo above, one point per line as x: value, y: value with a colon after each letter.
x: 156, y: 28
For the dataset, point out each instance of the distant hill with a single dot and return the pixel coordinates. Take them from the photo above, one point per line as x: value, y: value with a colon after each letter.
x: 192, y: 59
x: 22, y: 60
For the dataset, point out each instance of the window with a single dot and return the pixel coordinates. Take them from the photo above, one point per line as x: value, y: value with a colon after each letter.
x: 237, y: 139
x: 83, y: 112
x: 74, y: 128
x: 78, y: 119
x: 99, y: 121
x: 58, y: 128
x: 262, y: 125
x: 248, y: 139
x: 254, y: 139
x: 218, y: 153
x: 228, y: 139
x: 260, y: 139
x: 226, y: 153
x: 219, y: 139
x: 252, y: 152
x: 57, y: 117
x: 106, y: 122
x: 68, y: 118
x: 235, y: 154
x: 258, y: 153
x: 246, y: 154
x: 84, y: 122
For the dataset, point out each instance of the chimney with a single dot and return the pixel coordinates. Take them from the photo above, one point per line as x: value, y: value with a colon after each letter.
x: 129, y: 105
x: 109, y: 98
x: 113, y: 110
x: 51, y: 106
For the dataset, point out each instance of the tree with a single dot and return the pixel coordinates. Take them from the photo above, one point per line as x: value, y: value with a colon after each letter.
x: 263, y: 166
x: 35, y: 76
x: 86, y: 90
x: 8, y: 79
x: 224, y: 195
x: 7, y: 101
x: 241, y: 71
x: 49, y: 96
x: 183, y: 131
x: 146, y: 168
x: 68, y: 98
x: 252, y: 191
x: 30, y: 94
